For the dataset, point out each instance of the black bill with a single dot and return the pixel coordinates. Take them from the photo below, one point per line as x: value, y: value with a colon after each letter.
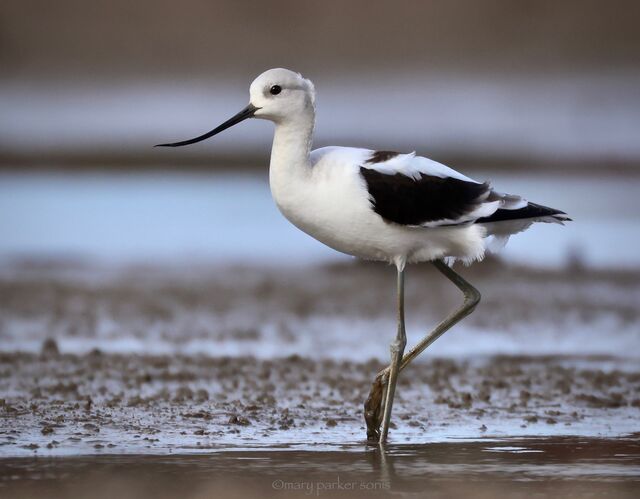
x: 247, y: 112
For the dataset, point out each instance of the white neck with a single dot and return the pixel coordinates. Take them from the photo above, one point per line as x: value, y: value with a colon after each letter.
x: 292, y: 142
x: 290, y: 165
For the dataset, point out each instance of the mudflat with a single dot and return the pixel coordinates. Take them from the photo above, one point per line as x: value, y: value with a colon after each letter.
x: 149, y: 381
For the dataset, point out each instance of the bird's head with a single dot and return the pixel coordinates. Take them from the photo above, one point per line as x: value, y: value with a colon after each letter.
x: 277, y: 95
x: 280, y: 94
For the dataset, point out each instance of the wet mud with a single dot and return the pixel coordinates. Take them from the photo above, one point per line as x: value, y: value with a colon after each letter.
x: 268, y: 397
x: 64, y: 404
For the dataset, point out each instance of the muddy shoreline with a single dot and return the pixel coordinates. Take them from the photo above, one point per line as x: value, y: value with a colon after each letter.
x: 57, y: 404
x: 197, y: 380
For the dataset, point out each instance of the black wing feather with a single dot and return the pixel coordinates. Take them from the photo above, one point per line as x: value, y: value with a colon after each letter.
x: 404, y: 200
x: 532, y: 210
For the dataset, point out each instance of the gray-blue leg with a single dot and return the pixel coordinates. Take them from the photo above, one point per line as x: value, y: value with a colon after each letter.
x: 373, y: 406
x: 397, y: 351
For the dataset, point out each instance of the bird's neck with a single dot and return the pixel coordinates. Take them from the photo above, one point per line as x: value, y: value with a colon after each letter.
x: 290, y: 166
x: 292, y: 143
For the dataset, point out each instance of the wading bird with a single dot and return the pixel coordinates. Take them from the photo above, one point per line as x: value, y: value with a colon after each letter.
x: 380, y: 205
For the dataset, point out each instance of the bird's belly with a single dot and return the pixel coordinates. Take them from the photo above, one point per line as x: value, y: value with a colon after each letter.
x: 345, y: 237
x: 364, y: 234
x: 343, y: 228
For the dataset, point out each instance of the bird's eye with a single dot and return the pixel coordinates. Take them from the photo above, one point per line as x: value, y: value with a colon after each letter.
x: 275, y: 90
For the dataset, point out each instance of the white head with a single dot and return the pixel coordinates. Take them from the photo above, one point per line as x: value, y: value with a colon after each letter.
x: 278, y: 95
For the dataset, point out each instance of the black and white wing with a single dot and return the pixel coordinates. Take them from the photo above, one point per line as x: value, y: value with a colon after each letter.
x: 410, y: 190
x: 415, y: 191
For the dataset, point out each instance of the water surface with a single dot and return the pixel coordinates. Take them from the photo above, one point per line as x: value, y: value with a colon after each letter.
x: 231, y: 218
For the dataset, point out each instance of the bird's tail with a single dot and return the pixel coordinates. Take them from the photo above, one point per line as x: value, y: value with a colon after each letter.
x: 536, y: 212
x: 504, y: 223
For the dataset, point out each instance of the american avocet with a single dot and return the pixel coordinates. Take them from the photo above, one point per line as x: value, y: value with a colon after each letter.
x: 380, y: 205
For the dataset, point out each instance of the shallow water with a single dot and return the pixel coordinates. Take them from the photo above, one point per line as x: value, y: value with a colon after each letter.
x: 547, y: 467
x: 232, y: 218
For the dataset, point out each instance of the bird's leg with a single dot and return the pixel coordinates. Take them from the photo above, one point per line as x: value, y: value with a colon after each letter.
x: 380, y: 401
x: 471, y: 300
x: 372, y: 407
x: 397, y: 350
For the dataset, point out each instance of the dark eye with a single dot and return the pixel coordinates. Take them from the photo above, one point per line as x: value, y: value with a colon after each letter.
x: 275, y: 90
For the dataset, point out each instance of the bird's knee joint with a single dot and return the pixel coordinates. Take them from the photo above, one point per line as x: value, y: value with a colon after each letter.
x: 472, y: 299
x: 397, y: 346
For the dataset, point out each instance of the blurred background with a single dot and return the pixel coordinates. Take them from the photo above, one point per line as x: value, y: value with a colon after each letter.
x: 112, y: 251
x: 494, y: 83
x: 543, y: 97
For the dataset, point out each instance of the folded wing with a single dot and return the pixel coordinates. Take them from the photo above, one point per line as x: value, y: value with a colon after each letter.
x: 415, y: 191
